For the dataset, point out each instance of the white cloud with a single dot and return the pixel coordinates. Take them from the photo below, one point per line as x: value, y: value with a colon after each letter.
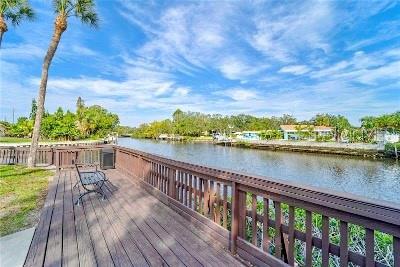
x: 283, y: 34
x: 295, y: 69
x: 181, y: 91
x: 387, y: 72
x: 237, y: 94
x: 81, y: 50
x: 22, y: 51
x: 362, y: 67
x: 235, y: 68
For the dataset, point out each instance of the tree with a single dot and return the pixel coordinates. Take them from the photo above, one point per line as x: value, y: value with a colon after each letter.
x: 32, y: 115
x: 304, y: 131
x: 23, y: 128
x: 80, y: 104
x: 288, y: 119
x: 83, y: 10
x: 340, y: 123
x: 81, y: 121
x: 323, y: 120
x: 14, y: 11
x: 178, y: 115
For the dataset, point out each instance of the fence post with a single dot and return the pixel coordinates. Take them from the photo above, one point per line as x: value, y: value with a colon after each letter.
x: 57, y: 152
x: 235, y: 218
x: 171, y: 182
x: 51, y: 156
x: 144, y: 170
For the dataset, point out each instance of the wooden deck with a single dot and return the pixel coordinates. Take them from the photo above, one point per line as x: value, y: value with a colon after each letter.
x: 129, y: 228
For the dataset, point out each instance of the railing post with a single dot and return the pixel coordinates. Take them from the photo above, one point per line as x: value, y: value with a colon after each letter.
x: 171, y: 182
x: 57, y: 152
x: 235, y: 218
x: 143, y: 168
x: 51, y: 156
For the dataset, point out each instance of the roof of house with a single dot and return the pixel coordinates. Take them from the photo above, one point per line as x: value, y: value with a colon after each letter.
x: 255, y: 132
x: 293, y: 127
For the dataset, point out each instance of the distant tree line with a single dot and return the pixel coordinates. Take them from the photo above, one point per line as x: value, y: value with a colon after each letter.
x: 195, y: 124
x: 86, y: 122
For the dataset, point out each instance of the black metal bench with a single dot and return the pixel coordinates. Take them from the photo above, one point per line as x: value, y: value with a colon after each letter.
x: 91, y: 181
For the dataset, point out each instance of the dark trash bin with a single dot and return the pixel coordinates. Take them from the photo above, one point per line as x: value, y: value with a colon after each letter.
x: 107, y: 159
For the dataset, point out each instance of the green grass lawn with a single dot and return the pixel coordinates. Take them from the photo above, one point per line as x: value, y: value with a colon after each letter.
x: 22, y: 193
x: 9, y: 140
x: 14, y: 140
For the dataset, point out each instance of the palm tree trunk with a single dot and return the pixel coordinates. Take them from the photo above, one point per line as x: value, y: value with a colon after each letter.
x: 3, y: 28
x: 42, y: 94
x: 1, y: 36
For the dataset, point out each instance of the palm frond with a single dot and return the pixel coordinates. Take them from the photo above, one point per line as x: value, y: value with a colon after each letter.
x: 61, y: 6
x: 18, y: 10
x: 85, y: 10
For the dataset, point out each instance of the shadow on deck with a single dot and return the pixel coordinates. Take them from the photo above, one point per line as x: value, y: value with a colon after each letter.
x: 129, y: 228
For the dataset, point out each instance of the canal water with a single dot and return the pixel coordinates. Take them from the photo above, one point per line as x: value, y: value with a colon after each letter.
x: 378, y: 179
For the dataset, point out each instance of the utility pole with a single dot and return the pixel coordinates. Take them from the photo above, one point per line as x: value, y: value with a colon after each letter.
x: 13, y: 114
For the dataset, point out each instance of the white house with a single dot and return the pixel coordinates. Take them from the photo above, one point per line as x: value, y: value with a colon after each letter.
x: 387, y: 137
x: 249, y: 136
x: 290, y: 131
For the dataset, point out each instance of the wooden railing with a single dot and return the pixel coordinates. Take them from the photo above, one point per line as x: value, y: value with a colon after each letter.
x: 60, y: 156
x: 66, y: 157
x: 269, y: 222
x: 63, y: 144
x: 19, y: 155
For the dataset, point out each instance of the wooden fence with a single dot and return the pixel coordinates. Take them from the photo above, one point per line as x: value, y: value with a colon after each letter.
x: 61, y: 144
x: 19, y: 155
x: 66, y: 157
x: 269, y: 222
x: 60, y: 156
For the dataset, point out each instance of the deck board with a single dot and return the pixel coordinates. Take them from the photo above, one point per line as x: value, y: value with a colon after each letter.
x: 84, y: 242
x: 181, y: 230
x: 70, y: 245
x: 144, y: 245
x: 129, y: 228
x: 37, y: 249
x: 128, y: 243
x: 55, y: 239
x: 101, y: 250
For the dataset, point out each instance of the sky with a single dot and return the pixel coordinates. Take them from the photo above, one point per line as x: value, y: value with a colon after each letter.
x: 265, y: 58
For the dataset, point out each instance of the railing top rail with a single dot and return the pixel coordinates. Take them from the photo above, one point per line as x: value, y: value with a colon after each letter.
x: 55, y: 145
x: 384, y: 211
x: 24, y: 148
x: 78, y: 148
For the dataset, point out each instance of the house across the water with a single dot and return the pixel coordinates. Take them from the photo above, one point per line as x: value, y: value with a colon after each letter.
x: 385, y: 136
x: 249, y: 136
x: 295, y: 132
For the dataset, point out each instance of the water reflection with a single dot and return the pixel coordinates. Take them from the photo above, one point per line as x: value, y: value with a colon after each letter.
x: 370, y: 178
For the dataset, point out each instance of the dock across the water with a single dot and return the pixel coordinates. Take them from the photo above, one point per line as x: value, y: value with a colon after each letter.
x: 363, y: 150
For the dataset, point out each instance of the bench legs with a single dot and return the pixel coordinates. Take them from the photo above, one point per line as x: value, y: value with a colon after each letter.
x: 100, y: 192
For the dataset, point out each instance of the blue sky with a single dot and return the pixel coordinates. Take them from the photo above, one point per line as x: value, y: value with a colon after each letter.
x: 264, y: 58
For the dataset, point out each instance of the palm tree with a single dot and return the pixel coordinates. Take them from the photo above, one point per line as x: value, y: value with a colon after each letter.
x: 85, y: 12
x: 14, y: 11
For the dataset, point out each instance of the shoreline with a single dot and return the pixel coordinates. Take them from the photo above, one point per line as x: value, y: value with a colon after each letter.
x: 356, y: 150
